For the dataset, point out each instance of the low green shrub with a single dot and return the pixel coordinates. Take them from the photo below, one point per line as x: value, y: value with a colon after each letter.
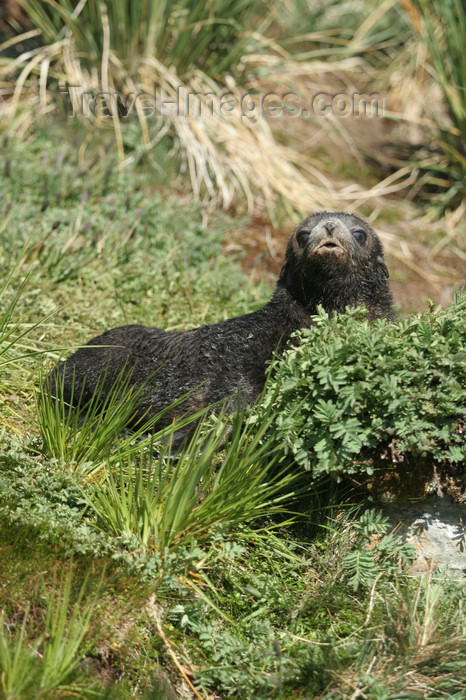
x: 95, y: 233
x: 352, y: 392
x: 43, y: 499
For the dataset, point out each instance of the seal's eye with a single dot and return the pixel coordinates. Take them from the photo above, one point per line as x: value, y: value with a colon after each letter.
x: 302, y: 238
x: 359, y: 236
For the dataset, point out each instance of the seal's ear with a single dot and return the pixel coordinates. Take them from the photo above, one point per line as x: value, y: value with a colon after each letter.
x: 284, y: 272
x: 381, y: 262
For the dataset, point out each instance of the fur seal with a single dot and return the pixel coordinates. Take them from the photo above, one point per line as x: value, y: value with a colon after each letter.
x: 332, y: 258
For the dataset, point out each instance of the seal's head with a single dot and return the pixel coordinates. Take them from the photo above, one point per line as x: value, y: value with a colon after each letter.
x: 336, y: 259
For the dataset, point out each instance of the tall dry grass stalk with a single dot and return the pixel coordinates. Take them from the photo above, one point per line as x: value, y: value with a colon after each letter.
x: 226, y: 155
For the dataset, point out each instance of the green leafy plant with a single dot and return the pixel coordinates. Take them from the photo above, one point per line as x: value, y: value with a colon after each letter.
x: 44, y: 497
x: 375, y: 551
x: 352, y: 391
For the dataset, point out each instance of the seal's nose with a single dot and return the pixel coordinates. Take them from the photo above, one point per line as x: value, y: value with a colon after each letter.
x: 330, y: 226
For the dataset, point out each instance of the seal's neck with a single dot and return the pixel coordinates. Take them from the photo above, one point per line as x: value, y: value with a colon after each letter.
x: 293, y: 313
x: 300, y: 303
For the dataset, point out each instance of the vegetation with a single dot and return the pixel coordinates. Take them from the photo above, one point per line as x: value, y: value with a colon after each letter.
x: 46, y: 665
x: 352, y: 393
x: 236, y: 568
x: 226, y: 569
x: 147, y: 30
x: 126, y: 61
x: 193, y: 58
x: 442, y: 28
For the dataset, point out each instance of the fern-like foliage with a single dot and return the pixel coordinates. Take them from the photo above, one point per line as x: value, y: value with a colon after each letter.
x: 375, y: 551
x: 350, y: 390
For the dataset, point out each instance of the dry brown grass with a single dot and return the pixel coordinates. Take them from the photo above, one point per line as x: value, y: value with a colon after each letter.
x: 227, y: 159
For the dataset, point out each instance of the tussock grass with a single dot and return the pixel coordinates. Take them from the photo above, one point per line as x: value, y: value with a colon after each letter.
x: 46, y: 664
x: 227, y: 155
x: 443, y: 28
x: 88, y: 46
x: 170, y: 500
x: 227, y: 473
x: 87, y: 434
x: 427, y: 105
x: 181, y: 49
x: 14, y: 345
x: 20, y: 346
x: 422, y: 631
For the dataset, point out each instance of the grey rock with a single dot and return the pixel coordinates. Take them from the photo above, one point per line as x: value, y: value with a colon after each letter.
x: 436, y: 527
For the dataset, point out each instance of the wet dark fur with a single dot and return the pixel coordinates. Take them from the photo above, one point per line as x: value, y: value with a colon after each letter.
x: 223, y: 357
